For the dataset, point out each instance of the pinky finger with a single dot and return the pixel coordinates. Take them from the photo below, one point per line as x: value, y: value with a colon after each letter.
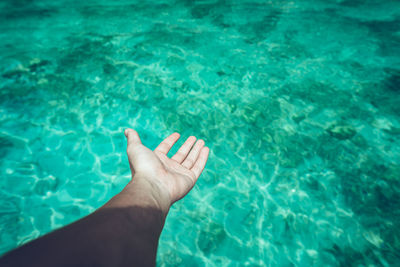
x: 201, y: 161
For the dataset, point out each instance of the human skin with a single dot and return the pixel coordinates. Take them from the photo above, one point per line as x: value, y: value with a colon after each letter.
x: 125, y: 231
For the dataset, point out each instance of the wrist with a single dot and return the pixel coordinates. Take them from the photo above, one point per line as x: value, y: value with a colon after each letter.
x: 148, y: 192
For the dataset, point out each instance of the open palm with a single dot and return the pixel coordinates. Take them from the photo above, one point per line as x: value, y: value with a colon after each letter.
x: 177, y: 174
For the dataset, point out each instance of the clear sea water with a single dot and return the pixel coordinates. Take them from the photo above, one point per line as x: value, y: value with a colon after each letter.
x: 299, y: 102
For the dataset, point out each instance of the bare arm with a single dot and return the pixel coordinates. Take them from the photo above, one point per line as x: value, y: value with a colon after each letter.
x: 125, y: 231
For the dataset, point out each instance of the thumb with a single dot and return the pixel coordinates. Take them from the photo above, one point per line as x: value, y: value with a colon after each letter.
x: 133, y: 137
x: 133, y: 142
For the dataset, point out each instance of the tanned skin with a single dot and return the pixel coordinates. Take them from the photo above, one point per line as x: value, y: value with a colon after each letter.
x: 125, y: 231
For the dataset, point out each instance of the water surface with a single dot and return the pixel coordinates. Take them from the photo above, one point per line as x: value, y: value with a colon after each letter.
x: 298, y: 101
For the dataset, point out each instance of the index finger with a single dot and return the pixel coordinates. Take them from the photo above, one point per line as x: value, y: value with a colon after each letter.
x: 166, y: 145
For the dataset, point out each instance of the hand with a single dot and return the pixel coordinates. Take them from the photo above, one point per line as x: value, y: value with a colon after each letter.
x: 174, y: 176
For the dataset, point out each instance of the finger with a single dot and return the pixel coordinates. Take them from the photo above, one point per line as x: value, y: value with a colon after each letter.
x: 184, y: 149
x: 201, y: 161
x: 133, y: 140
x: 194, y: 153
x: 167, y: 143
x: 132, y: 136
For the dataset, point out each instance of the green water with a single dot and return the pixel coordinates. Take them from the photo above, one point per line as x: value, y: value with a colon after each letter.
x: 299, y: 102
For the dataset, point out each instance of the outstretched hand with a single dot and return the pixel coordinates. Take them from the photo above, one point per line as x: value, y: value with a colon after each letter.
x: 125, y: 230
x: 177, y: 175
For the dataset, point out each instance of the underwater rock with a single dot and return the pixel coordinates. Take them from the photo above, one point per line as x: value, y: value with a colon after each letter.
x: 221, y: 73
x: 211, y: 238
x: 250, y: 114
x: 5, y: 145
x: 392, y: 130
x: 342, y: 132
x: 298, y: 118
x: 16, y: 72
x: 392, y: 82
x: 9, y: 205
x: 45, y: 185
x: 10, y: 143
x: 37, y: 64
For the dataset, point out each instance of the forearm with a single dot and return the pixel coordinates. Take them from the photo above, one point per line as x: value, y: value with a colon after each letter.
x: 124, y: 232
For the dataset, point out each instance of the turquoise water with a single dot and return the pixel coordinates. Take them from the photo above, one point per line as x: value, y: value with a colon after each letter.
x: 299, y: 102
